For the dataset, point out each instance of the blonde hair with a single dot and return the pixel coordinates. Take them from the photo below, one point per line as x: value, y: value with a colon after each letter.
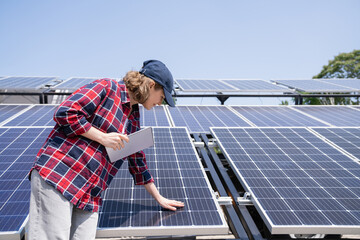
x: 139, y: 85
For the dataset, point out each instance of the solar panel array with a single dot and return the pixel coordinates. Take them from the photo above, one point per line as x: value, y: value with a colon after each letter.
x: 274, y: 116
x: 299, y: 183
x: 312, y: 85
x: 345, y: 138
x: 200, y: 118
x: 196, y: 85
x: 18, y: 148
x: 340, y: 116
x: 9, y: 110
x: 37, y: 115
x: 255, y: 86
x: 179, y: 175
x: 350, y: 83
x: 32, y: 83
x: 74, y: 83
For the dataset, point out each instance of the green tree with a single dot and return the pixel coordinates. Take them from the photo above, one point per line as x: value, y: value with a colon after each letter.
x: 344, y: 65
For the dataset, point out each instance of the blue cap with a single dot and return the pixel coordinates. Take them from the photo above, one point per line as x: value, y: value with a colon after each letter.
x: 158, y: 72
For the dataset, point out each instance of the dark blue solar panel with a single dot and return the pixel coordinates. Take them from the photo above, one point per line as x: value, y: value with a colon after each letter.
x: 295, y: 191
x: 156, y: 117
x: 209, y: 85
x: 200, y: 118
x: 74, y: 83
x: 340, y: 116
x: 130, y: 208
x: 16, y: 161
x: 255, y: 86
x: 38, y: 115
x: 346, y: 138
x: 273, y: 116
x: 350, y: 83
x: 7, y: 111
x: 26, y: 82
x: 313, y: 85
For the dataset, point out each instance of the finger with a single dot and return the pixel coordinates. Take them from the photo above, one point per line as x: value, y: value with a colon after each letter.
x: 170, y: 208
x: 121, y: 144
x: 124, y: 137
x: 177, y: 204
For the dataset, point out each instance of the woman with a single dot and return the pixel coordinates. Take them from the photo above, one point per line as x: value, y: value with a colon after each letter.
x: 72, y: 168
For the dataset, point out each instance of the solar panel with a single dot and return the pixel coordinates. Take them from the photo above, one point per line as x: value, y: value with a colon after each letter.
x: 200, y: 118
x: 129, y: 210
x: 208, y: 85
x: 276, y: 116
x: 256, y: 86
x: 9, y: 110
x: 294, y: 179
x: 349, y: 83
x: 38, y: 115
x: 345, y: 138
x: 313, y: 85
x: 340, y: 116
x: 74, y: 83
x: 19, y: 83
x: 19, y: 147
x: 156, y: 117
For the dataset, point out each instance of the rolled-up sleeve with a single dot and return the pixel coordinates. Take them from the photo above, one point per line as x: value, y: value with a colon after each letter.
x: 138, y: 169
x: 72, y: 114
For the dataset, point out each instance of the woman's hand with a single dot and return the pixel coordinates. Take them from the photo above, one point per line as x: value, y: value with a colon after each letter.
x: 112, y: 140
x: 164, y: 202
x: 170, y: 204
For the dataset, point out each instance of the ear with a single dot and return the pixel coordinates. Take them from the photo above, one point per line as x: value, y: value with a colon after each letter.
x: 152, y: 84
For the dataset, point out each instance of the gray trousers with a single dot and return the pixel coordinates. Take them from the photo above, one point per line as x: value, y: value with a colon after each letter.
x: 52, y: 216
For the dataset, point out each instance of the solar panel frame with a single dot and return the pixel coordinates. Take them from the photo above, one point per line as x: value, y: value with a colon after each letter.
x: 344, y: 117
x: 26, y: 83
x: 29, y: 118
x: 199, y: 122
x: 192, y: 85
x: 293, y: 226
x: 312, y: 85
x: 165, y: 178
x: 247, y: 85
x: 18, y: 152
x: 281, y: 116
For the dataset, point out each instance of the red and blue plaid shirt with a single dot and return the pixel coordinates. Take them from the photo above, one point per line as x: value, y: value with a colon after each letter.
x: 77, y: 166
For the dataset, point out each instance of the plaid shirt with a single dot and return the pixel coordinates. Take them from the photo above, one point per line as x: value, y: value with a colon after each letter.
x: 77, y: 166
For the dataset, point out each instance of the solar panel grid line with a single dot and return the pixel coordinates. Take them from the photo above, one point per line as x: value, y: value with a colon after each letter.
x: 355, y: 107
x: 171, y: 177
x: 12, y: 107
x: 335, y: 145
x: 73, y: 83
x: 298, y: 229
x: 311, y: 116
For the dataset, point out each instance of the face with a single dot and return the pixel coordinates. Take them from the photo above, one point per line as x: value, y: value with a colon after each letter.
x: 156, y: 97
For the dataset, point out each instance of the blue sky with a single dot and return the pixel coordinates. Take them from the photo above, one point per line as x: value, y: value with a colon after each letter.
x: 196, y: 39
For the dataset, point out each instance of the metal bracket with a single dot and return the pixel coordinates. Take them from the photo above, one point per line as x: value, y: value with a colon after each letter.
x: 245, y: 200
x: 199, y: 144
x: 212, y: 143
x: 225, y: 200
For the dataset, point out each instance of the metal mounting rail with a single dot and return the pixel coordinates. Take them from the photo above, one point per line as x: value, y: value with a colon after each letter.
x: 244, y: 214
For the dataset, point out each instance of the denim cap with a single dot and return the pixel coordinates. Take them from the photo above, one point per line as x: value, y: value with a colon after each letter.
x: 158, y: 72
